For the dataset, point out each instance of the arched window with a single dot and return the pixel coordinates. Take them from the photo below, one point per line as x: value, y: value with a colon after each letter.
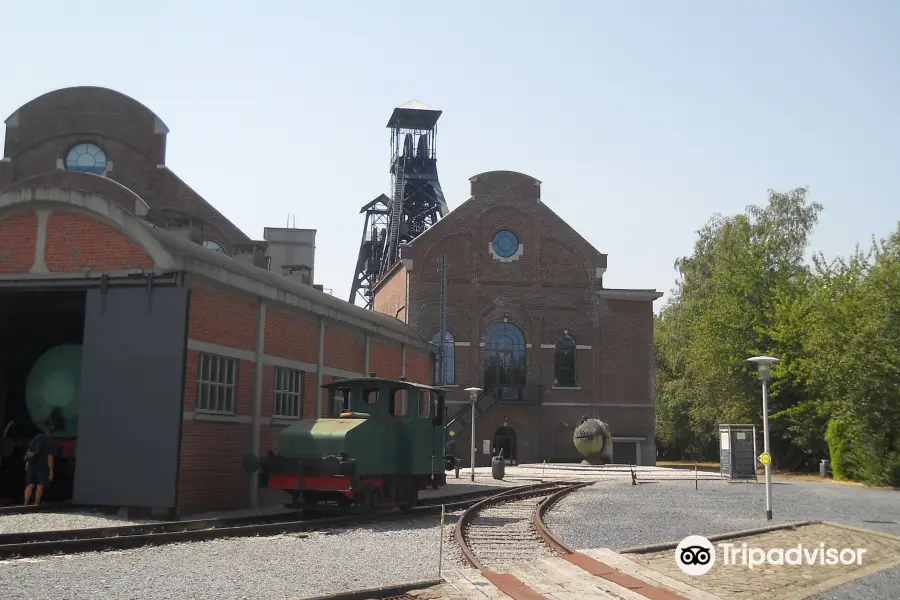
x: 449, y: 360
x: 504, y: 356
x: 214, y: 245
x: 564, y: 361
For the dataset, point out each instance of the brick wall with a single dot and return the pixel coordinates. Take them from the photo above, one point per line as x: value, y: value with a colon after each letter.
x: 419, y: 367
x: 384, y: 359
x: 77, y: 242
x: 551, y: 287
x: 18, y: 234
x: 390, y: 295
x: 222, y: 318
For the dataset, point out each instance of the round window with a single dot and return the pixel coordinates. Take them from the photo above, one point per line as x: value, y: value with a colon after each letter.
x: 214, y: 245
x: 86, y: 158
x: 505, y: 243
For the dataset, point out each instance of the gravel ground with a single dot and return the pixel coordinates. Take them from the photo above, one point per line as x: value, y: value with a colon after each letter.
x: 618, y: 515
x: 56, y: 521
x: 286, y: 566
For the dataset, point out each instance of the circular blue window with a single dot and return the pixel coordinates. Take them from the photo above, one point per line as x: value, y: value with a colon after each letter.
x: 86, y: 158
x: 505, y: 243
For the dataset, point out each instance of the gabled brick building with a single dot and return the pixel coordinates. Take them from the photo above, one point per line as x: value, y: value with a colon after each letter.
x: 193, y: 354
x: 530, y: 322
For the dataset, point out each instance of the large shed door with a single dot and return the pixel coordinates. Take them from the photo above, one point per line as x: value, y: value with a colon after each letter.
x: 624, y: 453
x: 129, y: 426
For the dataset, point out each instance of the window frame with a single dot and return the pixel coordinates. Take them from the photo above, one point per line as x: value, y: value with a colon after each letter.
x: 210, y: 384
x: 425, y: 399
x: 404, y: 402
x: 563, y: 342
x: 281, y: 395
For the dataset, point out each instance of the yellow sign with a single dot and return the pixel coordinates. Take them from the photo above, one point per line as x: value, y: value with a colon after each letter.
x: 765, y: 458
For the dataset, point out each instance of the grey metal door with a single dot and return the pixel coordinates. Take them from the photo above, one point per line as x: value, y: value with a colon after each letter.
x: 624, y: 453
x: 132, y: 383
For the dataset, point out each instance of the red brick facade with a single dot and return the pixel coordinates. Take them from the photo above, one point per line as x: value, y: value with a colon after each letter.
x: 550, y: 285
x: 228, y: 320
x: 73, y: 243
x: 18, y: 234
x: 99, y: 247
x: 55, y: 221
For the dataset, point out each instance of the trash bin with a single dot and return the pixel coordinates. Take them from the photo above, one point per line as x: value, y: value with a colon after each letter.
x: 823, y: 468
x: 498, y: 466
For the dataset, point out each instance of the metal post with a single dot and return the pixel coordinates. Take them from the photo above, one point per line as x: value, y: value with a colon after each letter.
x: 441, y: 546
x: 442, y: 336
x: 695, y: 478
x: 473, y: 438
x: 765, y: 386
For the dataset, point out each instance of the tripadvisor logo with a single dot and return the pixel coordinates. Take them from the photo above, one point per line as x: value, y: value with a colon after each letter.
x: 695, y: 555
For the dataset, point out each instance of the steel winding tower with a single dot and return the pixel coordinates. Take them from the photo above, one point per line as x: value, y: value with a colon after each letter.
x: 416, y: 202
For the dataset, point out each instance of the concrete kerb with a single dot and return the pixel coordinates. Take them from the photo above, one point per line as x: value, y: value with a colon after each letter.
x: 646, y: 549
x: 379, y: 592
x: 884, y: 534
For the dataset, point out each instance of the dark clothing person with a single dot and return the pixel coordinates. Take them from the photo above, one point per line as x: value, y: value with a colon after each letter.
x: 38, y: 466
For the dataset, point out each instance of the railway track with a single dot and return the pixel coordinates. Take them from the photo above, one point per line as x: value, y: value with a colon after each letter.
x: 499, y: 531
x: 42, y: 543
x: 18, y: 509
x: 498, y: 536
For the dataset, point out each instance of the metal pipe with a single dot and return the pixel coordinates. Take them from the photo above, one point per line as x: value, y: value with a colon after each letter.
x: 473, y: 438
x: 257, y: 397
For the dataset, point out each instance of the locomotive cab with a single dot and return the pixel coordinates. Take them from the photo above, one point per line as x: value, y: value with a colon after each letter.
x: 380, y: 443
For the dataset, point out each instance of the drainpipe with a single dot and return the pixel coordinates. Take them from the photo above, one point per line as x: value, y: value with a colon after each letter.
x: 366, y: 345
x: 402, y: 360
x: 257, y: 397
x: 320, y: 366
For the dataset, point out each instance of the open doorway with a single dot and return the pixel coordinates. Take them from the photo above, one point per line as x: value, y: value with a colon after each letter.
x: 41, y: 337
x: 505, y: 441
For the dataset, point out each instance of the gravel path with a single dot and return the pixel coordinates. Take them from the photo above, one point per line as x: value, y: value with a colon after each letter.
x: 56, y: 521
x: 285, y: 566
x: 618, y: 515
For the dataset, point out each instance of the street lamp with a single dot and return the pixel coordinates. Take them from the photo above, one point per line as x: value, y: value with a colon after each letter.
x: 764, y: 364
x: 473, y: 395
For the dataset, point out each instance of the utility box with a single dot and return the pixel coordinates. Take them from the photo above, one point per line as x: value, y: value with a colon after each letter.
x: 737, y: 452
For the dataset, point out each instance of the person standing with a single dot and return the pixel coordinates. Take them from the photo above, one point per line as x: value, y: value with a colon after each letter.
x: 39, y: 465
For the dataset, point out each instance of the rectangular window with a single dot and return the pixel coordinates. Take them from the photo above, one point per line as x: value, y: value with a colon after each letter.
x: 215, y: 383
x: 424, y: 404
x: 400, y: 402
x: 288, y: 392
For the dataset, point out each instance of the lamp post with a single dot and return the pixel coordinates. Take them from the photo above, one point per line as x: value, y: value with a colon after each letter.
x: 764, y: 364
x: 473, y: 396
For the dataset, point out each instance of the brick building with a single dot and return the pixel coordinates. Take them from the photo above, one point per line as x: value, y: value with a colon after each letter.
x: 193, y: 353
x: 529, y: 321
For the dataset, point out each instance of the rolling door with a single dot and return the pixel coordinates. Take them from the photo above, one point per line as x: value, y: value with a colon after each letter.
x: 624, y: 453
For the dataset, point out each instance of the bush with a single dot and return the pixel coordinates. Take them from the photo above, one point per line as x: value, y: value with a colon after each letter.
x: 837, y: 436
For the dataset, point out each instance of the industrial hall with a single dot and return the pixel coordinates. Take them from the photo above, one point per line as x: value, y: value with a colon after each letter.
x: 165, y: 342
x: 519, y: 297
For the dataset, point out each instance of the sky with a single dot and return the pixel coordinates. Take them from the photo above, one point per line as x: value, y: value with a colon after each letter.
x: 642, y: 119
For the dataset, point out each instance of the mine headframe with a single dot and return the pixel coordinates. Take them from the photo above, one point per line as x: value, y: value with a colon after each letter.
x: 416, y: 201
x: 368, y: 264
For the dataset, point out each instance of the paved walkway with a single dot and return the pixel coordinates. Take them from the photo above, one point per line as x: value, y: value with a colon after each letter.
x: 605, y: 574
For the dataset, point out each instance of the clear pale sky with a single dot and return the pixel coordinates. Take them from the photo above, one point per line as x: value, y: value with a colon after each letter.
x: 641, y: 119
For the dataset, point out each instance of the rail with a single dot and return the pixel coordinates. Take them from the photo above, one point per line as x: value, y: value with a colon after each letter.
x: 42, y: 543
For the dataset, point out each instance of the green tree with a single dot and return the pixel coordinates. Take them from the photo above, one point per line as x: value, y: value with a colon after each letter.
x: 721, y: 313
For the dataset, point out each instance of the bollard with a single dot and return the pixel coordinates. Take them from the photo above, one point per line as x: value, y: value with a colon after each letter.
x: 457, y: 470
x: 695, y: 478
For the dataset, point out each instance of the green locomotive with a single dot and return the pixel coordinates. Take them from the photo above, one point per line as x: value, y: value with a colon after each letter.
x: 381, y: 442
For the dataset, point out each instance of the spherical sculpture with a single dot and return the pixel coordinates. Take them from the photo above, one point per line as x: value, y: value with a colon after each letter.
x: 594, y: 442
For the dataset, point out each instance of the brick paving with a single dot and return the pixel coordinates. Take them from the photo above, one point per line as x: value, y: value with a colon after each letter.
x: 784, y: 582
